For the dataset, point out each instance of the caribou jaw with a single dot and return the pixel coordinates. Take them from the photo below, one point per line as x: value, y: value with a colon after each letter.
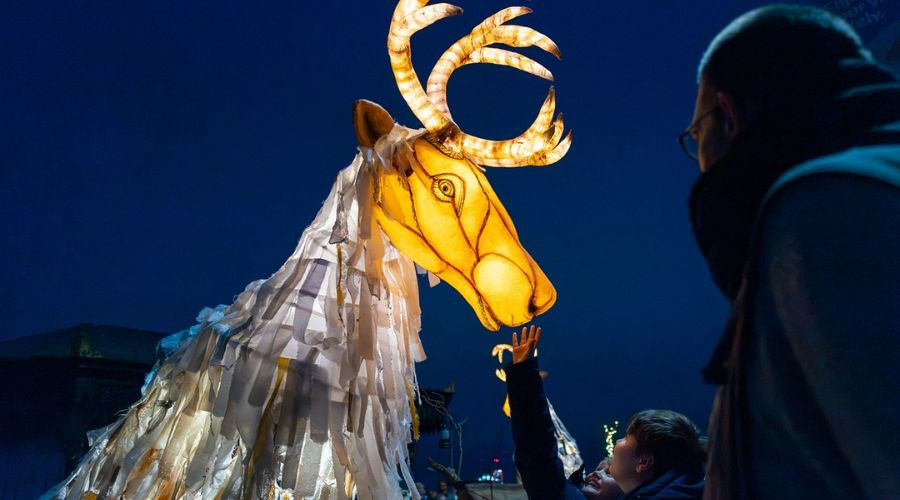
x: 499, y: 291
x: 504, y: 286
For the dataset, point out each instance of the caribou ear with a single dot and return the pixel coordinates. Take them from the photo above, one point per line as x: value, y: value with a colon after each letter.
x: 371, y: 122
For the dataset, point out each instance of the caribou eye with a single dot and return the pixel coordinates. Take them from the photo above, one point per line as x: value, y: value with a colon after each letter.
x: 444, y: 189
x: 450, y: 189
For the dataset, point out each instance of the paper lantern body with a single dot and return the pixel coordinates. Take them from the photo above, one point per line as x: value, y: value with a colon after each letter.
x: 303, y: 387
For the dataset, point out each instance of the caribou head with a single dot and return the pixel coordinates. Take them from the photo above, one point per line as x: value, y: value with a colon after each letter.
x: 432, y: 199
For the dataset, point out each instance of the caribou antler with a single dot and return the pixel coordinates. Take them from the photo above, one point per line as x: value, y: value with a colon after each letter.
x: 540, y: 144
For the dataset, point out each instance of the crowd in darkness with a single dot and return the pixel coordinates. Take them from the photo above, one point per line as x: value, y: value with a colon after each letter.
x: 796, y: 131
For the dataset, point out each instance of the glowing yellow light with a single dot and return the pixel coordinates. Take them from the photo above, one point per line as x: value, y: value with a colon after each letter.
x: 442, y: 213
x: 610, y: 432
x: 435, y: 204
x: 497, y: 352
x: 540, y: 144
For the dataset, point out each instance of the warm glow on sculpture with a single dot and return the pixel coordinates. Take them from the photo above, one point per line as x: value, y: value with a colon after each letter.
x: 498, y: 351
x: 435, y: 204
x: 304, y: 386
x: 540, y: 144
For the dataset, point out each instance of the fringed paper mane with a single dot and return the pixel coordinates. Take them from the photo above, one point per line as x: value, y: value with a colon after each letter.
x: 300, y: 388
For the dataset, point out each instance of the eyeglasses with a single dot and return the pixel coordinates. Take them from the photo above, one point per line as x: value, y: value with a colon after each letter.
x: 686, y: 139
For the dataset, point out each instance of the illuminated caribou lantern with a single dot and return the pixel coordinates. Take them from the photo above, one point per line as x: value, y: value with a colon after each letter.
x: 433, y: 201
x: 303, y: 387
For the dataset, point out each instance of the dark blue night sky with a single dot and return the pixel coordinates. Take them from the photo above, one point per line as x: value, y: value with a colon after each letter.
x: 158, y: 156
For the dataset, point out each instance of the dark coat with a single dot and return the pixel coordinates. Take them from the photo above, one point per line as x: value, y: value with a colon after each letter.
x: 809, y: 363
x: 534, y: 435
x: 671, y: 485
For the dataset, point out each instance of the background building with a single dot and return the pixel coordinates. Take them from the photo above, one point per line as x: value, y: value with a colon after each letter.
x: 57, y: 386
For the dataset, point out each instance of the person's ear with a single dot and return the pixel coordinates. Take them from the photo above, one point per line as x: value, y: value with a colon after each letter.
x: 731, y: 119
x: 645, y: 463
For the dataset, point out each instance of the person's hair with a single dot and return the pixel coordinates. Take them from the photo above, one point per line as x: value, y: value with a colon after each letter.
x: 778, y: 46
x: 672, y: 439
